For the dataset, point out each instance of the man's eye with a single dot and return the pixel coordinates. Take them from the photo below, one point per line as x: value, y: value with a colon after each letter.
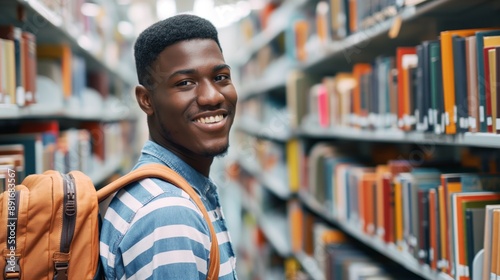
x: 221, y: 77
x: 184, y: 83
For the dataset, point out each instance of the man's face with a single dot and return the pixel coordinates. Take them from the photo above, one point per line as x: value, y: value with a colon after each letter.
x: 194, y: 102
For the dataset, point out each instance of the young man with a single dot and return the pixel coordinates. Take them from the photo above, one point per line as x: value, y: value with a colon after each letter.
x: 152, y: 229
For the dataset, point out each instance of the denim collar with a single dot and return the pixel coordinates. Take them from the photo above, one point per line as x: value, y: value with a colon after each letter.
x: 152, y: 152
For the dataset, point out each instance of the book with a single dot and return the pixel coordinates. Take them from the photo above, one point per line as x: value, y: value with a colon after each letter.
x: 457, y: 225
x: 488, y: 239
x: 33, y: 150
x: 481, y: 75
x: 359, y: 109
x: 449, y: 74
x: 405, y: 58
x: 14, y: 34
x: 475, y: 224
x: 436, y: 83
x: 472, y: 84
x: 460, y: 79
x: 297, y: 87
x: 63, y: 55
x: 29, y: 66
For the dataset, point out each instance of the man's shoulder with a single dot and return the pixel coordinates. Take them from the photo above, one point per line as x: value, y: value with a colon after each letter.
x: 148, y: 190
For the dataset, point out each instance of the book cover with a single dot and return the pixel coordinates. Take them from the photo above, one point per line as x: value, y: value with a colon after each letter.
x: 488, y: 239
x: 358, y: 110
x: 460, y: 79
x: 457, y: 224
x: 405, y: 58
x: 14, y: 34
x: 29, y: 67
x: 436, y: 83
x: 472, y: 83
x: 449, y: 74
x: 474, y: 218
x: 9, y: 71
x: 481, y: 90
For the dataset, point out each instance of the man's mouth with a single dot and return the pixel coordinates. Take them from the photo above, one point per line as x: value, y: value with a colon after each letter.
x: 210, y: 119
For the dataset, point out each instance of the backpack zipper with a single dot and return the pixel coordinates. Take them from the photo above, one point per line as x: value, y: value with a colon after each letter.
x: 68, y: 226
x: 69, y: 212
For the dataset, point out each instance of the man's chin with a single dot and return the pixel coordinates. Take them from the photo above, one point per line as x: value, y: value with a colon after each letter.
x: 217, y: 152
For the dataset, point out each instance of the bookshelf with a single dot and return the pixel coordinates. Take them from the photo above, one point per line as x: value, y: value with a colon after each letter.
x: 81, y: 115
x: 53, y: 27
x: 314, y: 85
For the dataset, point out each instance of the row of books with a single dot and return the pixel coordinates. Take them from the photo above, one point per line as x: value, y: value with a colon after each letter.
x: 433, y: 212
x: 92, y: 25
x: 448, y: 85
x: 41, y: 146
x: 334, y: 20
x: 51, y: 75
x: 334, y: 254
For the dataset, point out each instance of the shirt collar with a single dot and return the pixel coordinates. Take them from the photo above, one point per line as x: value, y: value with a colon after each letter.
x: 198, y: 181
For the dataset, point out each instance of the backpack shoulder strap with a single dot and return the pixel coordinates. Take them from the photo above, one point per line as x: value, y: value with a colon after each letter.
x: 156, y: 170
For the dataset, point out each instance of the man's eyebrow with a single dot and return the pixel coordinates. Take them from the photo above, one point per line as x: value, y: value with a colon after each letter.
x: 193, y: 71
x: 220, y: 67
x: 181, y: 72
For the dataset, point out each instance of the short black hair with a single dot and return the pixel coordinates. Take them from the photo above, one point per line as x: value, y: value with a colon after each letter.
x: 154, y: 39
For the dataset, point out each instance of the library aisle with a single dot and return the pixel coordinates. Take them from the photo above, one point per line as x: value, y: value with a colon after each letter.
x: 365, y: 144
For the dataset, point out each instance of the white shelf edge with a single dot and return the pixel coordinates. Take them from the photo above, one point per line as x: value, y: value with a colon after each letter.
x: 310, y: 265
x: 268, y: 225
x: 336, y: 48
x: 273, y: 77
x: 277, y: 236
x: 42, y: 12
x: 487, y: 140
x: 385, y: 249
x: 267, y: 35
x: 15, y: 112
x: 267, y: 180
x: 254, y: 128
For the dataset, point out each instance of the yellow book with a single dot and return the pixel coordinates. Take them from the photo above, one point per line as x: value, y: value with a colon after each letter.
x: 63, y: 54
x: 293, y: 164
x: 398, y: 214
x: 494, y: 243
x: 10, y: 70
x: 442, y: 229
x: 491, y: 41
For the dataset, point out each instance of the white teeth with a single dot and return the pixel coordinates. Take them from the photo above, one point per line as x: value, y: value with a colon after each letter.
x: 211, y: 119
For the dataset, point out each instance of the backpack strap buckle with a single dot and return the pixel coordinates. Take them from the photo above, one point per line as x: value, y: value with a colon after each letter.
x: 61, y: 270
x: 12, y: 269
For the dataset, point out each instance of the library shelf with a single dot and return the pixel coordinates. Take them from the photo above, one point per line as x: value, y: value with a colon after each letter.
x: 273, y: 225
x: 102, y: 171
x: 340, y: 52
x: 275, y: 228
x: 49, y: 27
x: 273, y: 78
x: 486, y: 140
x: 310, y: 265
x: 277, y: 24
x: 37, y: 111
x: 387, y: 250
x: 273, y: 183
x: 278, y: 131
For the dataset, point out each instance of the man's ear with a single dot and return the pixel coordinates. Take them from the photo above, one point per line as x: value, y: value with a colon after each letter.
x: 143, y: 97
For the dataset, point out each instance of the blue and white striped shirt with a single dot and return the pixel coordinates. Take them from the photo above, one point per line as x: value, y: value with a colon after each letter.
x: 153, y: 230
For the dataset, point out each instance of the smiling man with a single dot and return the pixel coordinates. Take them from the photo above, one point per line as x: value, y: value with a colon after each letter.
x: 152, y: 229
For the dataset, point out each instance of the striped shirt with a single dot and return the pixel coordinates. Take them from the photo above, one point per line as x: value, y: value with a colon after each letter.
x: 153, y: 230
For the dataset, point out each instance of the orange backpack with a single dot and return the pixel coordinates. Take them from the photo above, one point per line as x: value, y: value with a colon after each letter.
x: 52, y: 223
